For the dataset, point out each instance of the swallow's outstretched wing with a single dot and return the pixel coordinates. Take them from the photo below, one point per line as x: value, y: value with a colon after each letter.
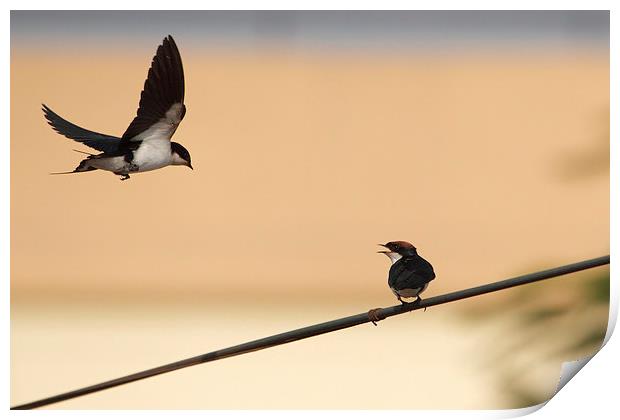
x: 161, y: 102
x: 102, y: 142
x: 159, y: 114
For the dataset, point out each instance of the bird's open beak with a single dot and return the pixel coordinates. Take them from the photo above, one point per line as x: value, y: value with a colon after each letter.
x: 383, y: 252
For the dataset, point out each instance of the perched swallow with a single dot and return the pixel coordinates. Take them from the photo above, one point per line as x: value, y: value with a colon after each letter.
x: 409, y: 274
x: 146, y: 144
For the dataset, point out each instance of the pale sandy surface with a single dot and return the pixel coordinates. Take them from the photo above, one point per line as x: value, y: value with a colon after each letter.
x: 415, y: 361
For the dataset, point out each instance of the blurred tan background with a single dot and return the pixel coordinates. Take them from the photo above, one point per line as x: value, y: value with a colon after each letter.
x: 492, y: 158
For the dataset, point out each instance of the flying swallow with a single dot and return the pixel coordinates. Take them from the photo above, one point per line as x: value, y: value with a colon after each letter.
x: 146, y: 144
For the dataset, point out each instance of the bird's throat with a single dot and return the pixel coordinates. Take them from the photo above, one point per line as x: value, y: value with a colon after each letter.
x: 394, y: 256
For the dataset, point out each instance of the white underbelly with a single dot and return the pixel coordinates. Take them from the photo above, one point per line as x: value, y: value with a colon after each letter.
x: 112, y: 164
x: 152, y: 154
x: 409, y: 293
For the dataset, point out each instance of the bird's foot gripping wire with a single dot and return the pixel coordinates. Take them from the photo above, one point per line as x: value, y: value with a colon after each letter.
x: 418, y: 300
x: 374, y: 316
x: 124, y: 176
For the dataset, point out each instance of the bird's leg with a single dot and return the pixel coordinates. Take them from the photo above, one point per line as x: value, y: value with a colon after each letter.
x: 418, y: 300
x: 131, y: 167
x: 125, y: 170
x: 401, y: 300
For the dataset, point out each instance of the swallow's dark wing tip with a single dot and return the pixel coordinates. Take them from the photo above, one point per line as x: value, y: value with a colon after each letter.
x: 48, y: 114
x: 102, y: 142
x: 164, y: 90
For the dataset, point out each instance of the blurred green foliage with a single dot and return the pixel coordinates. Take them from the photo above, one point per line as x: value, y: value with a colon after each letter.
x: 554, y: 321
x: 597, y: 288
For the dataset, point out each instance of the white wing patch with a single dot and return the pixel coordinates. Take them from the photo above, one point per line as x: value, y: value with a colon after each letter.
x: 165, y: 127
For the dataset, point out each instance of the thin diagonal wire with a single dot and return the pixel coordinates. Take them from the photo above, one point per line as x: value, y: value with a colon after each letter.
x: 322, y: 328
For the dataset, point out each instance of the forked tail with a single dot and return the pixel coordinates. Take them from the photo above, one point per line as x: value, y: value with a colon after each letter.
x: 84, y: 166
